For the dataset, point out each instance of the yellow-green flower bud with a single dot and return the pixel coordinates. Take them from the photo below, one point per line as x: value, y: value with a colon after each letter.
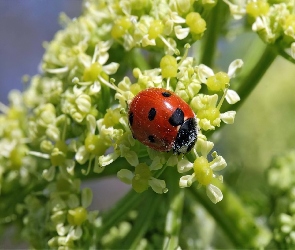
x: 95, y: 145
x: 141, y: 176
x: 139, y: 185
x: 16, y: 157
x: 77, y: 216
x: 218, y: 82
x: 143, y: 171
x: 156, y: 29
x: 111, y: 117
x: 203, y: 172
x: 258, y: 8
x: 196, y: 23
x: 120, y: 27
x: 58, y: 154
x: 210, y: 114
x: 46, y: 146
x: 168, y: 66
x: 91, y: 73
x: 57, y: 158
x: 290, y: 22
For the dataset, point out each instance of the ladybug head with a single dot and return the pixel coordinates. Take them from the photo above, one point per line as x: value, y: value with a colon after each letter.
x: 186, y: 136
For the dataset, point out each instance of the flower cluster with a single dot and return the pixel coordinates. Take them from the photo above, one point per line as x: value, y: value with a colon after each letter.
x: 274, y: 22
x: 72, y: 118
x: 65, y: 214
x: 282, y: 184
x: 186, y: 83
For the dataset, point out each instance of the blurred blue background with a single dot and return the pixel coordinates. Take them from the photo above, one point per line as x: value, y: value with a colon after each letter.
x: 24, y: 26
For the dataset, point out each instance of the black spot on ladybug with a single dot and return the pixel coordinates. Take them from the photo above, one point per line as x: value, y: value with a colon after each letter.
x: 186, y: 137
x: 151, y: 138
x: 152, y: 114
x: 166, y: 94
x: 177, y: 118
x: 131, y: 115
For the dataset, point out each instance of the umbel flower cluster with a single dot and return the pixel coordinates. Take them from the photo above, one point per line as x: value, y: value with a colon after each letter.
x: 71, y: 122
x: 282, y: 186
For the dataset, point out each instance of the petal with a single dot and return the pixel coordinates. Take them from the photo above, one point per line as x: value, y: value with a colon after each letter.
x: 204, y: 146
x: 61, y: 229
x: 156, y: 164
x: 218, y: 163
x: 111, y: 68
x: 58, y: 70
x: 259, y: 24
x: 125, y: 176
x: 205, y: 124
x: 180, y: 32
x: 159, y: 186
x: 172, y: 161
x: 103, y: 57
x: 75, y: 233
x: 91, y: 123
x: 129, y: 155
x: 146, y: 41
x: 105, y: 160
x: 214, y: 193
x: 95, y: 88
x: 48, y: 174
x: 234, y: 66
x: 185, y: 181
x: 228, y: 117
x: 86, y: 197
x: 82, y: 155
x: 232, y: 96
x: 204, y: 72
x: 70, y: 165
x: 184, y: 165
x: 176, y: 18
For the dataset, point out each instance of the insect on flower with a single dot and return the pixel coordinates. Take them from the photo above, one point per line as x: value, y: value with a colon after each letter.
x: 161, y: 120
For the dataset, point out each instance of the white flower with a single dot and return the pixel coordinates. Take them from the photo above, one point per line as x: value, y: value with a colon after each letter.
x: 205, y: 72
x: 204, y: 174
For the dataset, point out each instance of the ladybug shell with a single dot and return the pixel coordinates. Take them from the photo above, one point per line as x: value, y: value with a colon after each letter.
x: 161, y: 120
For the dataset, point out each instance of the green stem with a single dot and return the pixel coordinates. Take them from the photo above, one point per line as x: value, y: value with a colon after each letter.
x: 257, y: 62
x: 237, y: 223
x: 174, y: 214
x: 139, y: 60
x: 146, y: 212
x: 215, y: 24
x: 119, y: 212
x: 255, y: 66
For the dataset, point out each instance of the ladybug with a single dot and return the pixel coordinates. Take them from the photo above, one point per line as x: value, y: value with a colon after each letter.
x: 161, y: 120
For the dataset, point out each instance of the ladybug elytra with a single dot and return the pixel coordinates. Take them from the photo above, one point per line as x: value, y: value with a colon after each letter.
x: 161, y: 120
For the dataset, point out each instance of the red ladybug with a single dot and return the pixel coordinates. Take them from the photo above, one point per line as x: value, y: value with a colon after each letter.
x: 161, y: 120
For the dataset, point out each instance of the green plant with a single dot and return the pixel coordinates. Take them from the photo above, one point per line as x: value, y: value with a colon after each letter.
x: 70, y: 125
